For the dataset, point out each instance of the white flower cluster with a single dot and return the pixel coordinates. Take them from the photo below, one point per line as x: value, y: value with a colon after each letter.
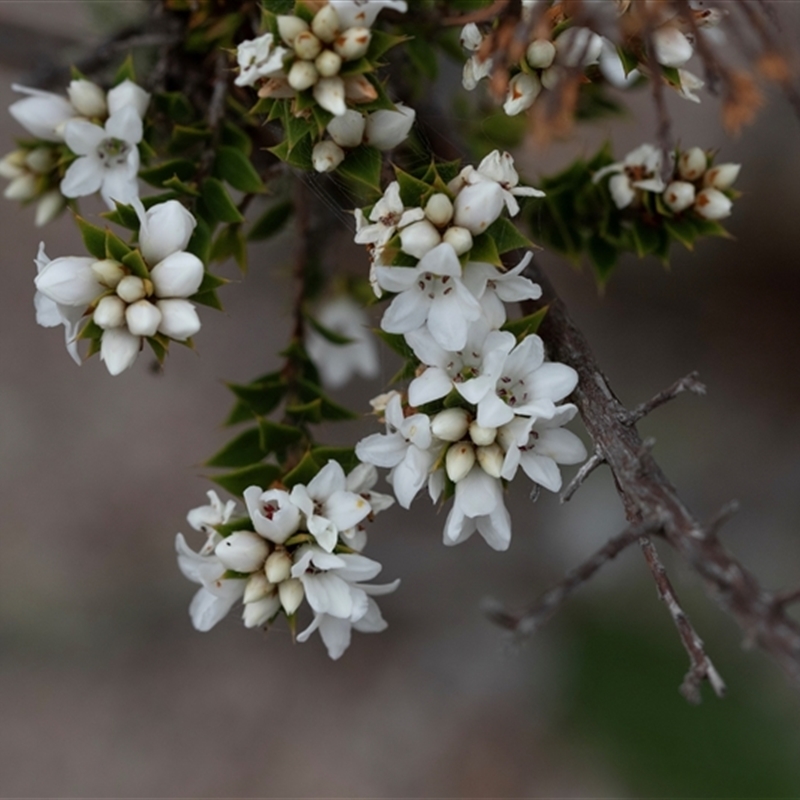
x: 126, y: 306
x: 295, y: 546
x: 501, y: 411
x: 102, y: 129
x: 696, y: 186
x: 314, y: 54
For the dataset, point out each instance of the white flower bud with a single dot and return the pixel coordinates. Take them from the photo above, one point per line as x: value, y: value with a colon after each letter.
x: 119, y: 349
x: 386, y: 129
x: 551, y: 77
x: 307, y: 46
x: 50, y: 205
x: 110, y: 273
x: 257, y: 588
x: 142, y: 318
x: 326, y: 156
x: 672, y: 48
x: 21, y: 188
x: 43, y: 114
x: 131, y: 288
x: 540, y: 53
x: 439, y: 209
x: 302, y: 75
x: 579, y: 47
x: 460, y: 239
x: 523, y: 89
x: 491, y: 459
x: 290, y: 26
x: 482, y: 436
x: 259, y: 612
x: 353, y: 43
x: 478, y: 206
x: 328, y: 63
x: 622, y: 193
x: 242, y: 551
x: 291, y: 594
x: 692, y: 164
x: 278, y: 567
x: 679, y: 195
x: 179, y: 319
x: 41, y: 160
x: 13, y: 165
x: 110, y: 312
x: 459, y: 461
x: 380, y: 402
x: 358, y: 89
x: 471, y: 36
x: 326, y: 23
x: 723, y: 176
x: 418, y: 238
x: 450, y: 425
x: 167, y: 229
x: 329, y: 93
x: 69, y: 281
x: 125, y: 94
x: 87, y: 98
x: 348, y: 129
x: 178, y: 275
x: 712, y: 204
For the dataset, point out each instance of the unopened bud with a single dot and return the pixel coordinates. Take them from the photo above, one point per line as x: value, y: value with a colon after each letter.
x: 131, y: 288
x: 482, y: 436
x: 722, y: 176
x: 460, y: 239
x: 478, y: 206
x: 358, y: 89
x: 87, y: 98
x: 242, y: 551
x: 110, y: 273
x: 278, y: 567
x: 523, y: 89
x: 326, y: 156
x: 290, y: 26
x: 439, y: 209
x: 353, y: 43
x: 459, y: 461
x: 419, y: 238
x: 672, y: 48
x: 551, y: 77
x: 41, y: 160
x: 387, y: 128
x: 679, y: 195
x: 307, y: 46
x: 110, y: 312
x: 450, y: 425
x: 692, y: 164
x: 329, y: 93
x: 326, y: 23
x: 540, y: 53
x: 12, y: 165
x: 328, y: 63
x: 291, y: 594
x: 302, y: 75
x: 257, y: 588
x: 21, y: 188
x: 713, y: 204
x: 179, y: 319
x: 491, y: 459
x: 142, y: 318
x: 178, y: 275
x: 347, y: 130
x: 50, y: 205
x: 260, y: 612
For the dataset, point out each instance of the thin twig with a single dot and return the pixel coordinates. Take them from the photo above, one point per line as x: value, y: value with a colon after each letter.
x: 583, y: 473
x: 688, y: 383
x: 700, y: 666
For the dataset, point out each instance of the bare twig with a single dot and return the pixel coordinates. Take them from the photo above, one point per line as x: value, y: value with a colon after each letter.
x: 700, y: 666
x: 689, y: 383
x: 583, y: 473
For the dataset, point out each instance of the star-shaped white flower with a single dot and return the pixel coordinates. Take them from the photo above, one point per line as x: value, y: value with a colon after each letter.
x: 259, y: 58
x: 641, y: 169
x: 479, y: 505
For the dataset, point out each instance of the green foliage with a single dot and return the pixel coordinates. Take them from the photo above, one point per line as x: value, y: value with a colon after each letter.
x: 218, y: 204
x: 94, y: 238
x: 526, y: 325
x: 262, y: 475
x: 181, y: 168
x: 230, y: 243
x: 363, y: 165
x: 271, y: 221
x: 234, y: 166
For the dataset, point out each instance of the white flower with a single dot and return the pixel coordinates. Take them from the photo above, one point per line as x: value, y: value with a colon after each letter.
x: 363, y: 13
x: 419, y: 238
x: 125, y: 94
x: 431, y: 296
x: 42, y: 114
x: 540, y: 53
x: 404, y: 448
x: 722, y: 177
x: 327, y: 505
x: 641, y: 169
x: 692, y: 163
x: 347, y: 130
x: 165, y: 228
x: 679, y: 195
x: 361, y: 481
x: 478, y: 205
x: 108, y: 157
x: 474, y: 69
x: 386, y: 129
x: 50, y: 205
x: 217, y: 594
x: 326, y: 156
x: 613, y: 69
x: 713, y: 204
x: 69, y: 281
x: 274, y: 515
x: 50, y: 313
x: 242, y: 551
x: 479, y: 505
x: 578, y: 47
x: 338, y: 363
x: 499, y: 168
x: 119, y: 349
x: 523, y: 89
x: 672, y: 48
x: 87, y: 98
x: 206, y: 518
x: 689, y: 84
x: 259, y: 58
x: 179, y: 319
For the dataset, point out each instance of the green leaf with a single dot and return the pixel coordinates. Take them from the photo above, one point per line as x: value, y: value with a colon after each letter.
x: 185, y: 137
x: 346, y: 456
x: 484, y: 249
x: 158, y: 347
x: 276, y: 437
x: 234, y: 136
x: 230, y: 243
x: 524, y: 326
x: 233, y: 166
x: 363, y: 165
x: 180, y: 168
x: 245, y: 449
x: 304, y: 472
x: 135, y: 263
x: 413, y: 192
x: 115, y: 247
x: 93, y: 237
x: 327, y: 333
x: 381, y: 42
x: 176, y: 106
x: 123, y: 215
x: 395, y: 341
x: 299, y: 156
x: 271, y: 221
x: 181, y: 187
x: 310, y: 412
x: 237, y: 524
x: 423, y: 57
x: 126, y: 72
x: 219, y: 202
x: 200, y: 243
x: 603, y: 256
x: 683, y: 230
x: 645, y: 237
x: 261, y: 475
x: 507, y: 236
x: 261, y: 397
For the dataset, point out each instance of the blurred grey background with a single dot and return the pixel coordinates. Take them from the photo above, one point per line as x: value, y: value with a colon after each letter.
x: 106, y: 690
